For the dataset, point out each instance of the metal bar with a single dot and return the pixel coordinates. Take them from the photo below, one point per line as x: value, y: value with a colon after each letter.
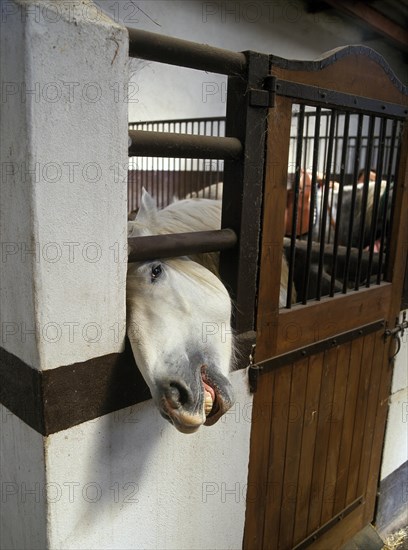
x: 180, y: 244
x: 334, y: 164
x: 272, y: 363
x: 242, y: 181
x: 173, y: 51
x: 333, y: 98
x: 339, y: 201
x: 163, y: 144
x: 325, y: 202
x: 376, y: 203
x: 367, y: 169
x: 386, y: 199
x: 298, y: 170
x: 313, y: 197
x: 353, y: 201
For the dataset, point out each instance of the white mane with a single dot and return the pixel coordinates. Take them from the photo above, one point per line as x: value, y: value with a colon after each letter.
x: 184, y: 216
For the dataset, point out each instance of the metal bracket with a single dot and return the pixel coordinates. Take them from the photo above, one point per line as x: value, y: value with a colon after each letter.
x: 259, y: 98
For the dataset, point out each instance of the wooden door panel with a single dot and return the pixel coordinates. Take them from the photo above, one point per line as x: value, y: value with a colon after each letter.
x: 322, y: 413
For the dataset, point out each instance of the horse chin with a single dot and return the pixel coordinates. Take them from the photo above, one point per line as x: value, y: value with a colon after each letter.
x: 183, y: 421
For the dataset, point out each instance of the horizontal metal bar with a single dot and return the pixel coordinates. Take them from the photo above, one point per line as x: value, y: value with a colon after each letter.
x: 297, y: 355
x: 166, y: 49
x: 329, y: 98
x: 180, y: 244
x: 172, y: 145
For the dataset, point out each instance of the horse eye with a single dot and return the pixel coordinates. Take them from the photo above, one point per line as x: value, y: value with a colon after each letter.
x: 156, y: 271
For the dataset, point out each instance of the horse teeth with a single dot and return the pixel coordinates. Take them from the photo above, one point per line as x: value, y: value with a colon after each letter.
x: 208, y: 403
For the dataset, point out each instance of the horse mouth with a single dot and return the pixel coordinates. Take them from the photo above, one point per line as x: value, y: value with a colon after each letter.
x: 217, y: 395
x: 214, y: 398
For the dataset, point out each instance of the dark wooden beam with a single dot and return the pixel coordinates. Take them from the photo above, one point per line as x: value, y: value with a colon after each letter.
x: 374, y: 19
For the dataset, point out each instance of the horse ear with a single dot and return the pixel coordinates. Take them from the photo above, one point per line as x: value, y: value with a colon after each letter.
x: 148, y: 209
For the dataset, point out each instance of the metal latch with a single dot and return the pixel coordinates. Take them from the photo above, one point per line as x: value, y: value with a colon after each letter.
x: 397, y: 332
x: 253, y: 371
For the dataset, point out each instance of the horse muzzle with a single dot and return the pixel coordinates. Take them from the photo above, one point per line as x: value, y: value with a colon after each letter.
x: 202, y: 401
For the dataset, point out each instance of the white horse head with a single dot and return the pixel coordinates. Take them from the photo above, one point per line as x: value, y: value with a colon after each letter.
x: 179, y: 320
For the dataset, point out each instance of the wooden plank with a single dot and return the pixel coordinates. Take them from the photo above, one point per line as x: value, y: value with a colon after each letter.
x: 336, y: 427
x: 259, y: 454
x: 374, y: 20
x: 360, y: 416
x: 278, y: 139
x: 372, y: 405
x: 399, y: 239
x: 348, y: 424
x: 322, y: 440
x: 277, y: 456
x: 308, y: 443
x: 291, y: 480
x: 303, y: 325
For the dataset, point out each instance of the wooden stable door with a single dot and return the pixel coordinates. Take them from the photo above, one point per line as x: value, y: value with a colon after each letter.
x: 324, y: 369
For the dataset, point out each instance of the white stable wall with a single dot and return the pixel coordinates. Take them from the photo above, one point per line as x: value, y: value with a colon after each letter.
x: 285, y: 29
x: 63, y: 159
x: 396, y: 438
x: 130, y: 480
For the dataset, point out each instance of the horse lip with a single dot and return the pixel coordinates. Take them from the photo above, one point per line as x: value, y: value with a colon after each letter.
x: 223, y: 394
x: 182, y: 420
x: 189, y: 420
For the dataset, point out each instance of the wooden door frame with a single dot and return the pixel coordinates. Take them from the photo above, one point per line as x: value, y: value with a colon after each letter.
x: 356, y: 71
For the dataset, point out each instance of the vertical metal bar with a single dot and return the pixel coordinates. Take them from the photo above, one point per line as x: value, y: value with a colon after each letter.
x: 353, y: 201
x: 304, y: 188
x: 298, y: 173
x: 313, y: 197
x: 325, y: 202
x: 243, y: 180
x: 340, y: 200
x: 367, y: 169
x: 376, y: 202
x: 325, y: 146
x: 391, y: 156
x: 336, y: 145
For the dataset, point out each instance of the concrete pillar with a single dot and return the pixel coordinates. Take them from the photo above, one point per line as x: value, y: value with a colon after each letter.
x: 63, y: 214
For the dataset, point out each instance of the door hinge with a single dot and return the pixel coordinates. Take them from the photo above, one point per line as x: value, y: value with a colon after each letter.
x: 397, y: 332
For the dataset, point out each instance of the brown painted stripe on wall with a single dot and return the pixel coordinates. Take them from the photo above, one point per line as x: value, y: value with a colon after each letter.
x: 56, y: 399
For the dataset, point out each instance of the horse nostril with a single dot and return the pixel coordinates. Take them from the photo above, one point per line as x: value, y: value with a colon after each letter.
x: 178, y: 395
